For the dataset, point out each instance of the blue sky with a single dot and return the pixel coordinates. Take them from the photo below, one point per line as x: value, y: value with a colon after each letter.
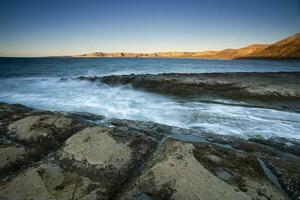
x: 70, y: 27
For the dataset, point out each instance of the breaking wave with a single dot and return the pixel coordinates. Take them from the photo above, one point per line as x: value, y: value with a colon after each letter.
x: 124, y: 102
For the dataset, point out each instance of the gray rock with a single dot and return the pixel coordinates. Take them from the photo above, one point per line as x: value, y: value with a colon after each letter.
x: 42, y: 128
x: 276, y: 90
x: 175, y: 173
x: 98, y: 162
x: 275, y: 85
x: 105, y: 155
x: 10, y: 155
x: 237, y: 168
x: 288, y: 173
x: 48, y: 181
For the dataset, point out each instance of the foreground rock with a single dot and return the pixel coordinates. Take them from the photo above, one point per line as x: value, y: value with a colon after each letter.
x: 288, y: 173
x: 27, y: 135
x: 106, y: 156
x: 124, y: 159
x: 12, y: 155
x: 92, y: 164
x: 186, y: 171
x: 49, y: 181
x: 36, y: 128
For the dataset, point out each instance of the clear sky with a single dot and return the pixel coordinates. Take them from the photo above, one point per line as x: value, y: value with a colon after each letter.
x: 70, y: 27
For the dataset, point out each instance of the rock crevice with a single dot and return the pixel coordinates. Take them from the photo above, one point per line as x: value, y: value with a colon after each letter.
x: 134, y: 160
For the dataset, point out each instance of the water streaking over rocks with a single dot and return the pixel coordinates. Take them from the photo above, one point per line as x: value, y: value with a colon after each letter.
x: 90, y: 135
x: 124, y: 102
x: 241, y: 104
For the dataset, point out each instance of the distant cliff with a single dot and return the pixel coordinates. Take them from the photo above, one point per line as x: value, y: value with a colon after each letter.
x: 288, y: 48
x: 284, y: 49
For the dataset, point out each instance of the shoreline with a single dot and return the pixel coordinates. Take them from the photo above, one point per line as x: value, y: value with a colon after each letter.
x: 49, y: 154
x: 191, y: 58
x: 278, y: 90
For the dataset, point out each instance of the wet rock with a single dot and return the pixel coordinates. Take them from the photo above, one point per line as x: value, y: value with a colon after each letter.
x: 257, y: 145
x: 288, y: 173
x: 11, y: 111
x: 154, y: 130
x: 273, y: 85
x: 49, y: 181
x: 105, y: 155
x: 224, y: 174
x: 237, y: 168
x: 85, y: 118
x: 282, y: 144
x: 278, y: 89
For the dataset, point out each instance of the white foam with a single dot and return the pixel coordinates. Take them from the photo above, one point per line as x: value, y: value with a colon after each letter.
x: 126, y: 103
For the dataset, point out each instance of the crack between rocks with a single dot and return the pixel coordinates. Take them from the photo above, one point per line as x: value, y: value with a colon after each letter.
x: 271, y: 177
x: 45, y: 185
x: 73, y: 194
x: 135, y: 173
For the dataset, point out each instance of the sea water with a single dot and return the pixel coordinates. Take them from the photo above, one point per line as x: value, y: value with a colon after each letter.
x: 36, y: 82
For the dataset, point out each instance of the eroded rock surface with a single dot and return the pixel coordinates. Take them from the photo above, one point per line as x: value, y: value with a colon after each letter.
x: 125, y: 159
x: 105, y: 155
x: 177, y: 172
x: 26, y: 135
x: 39, y: 127
x: 10, y: 155
x: 10, y: 113
x: 49, y: 181
x: 237, y: 168
x: 288, y: 173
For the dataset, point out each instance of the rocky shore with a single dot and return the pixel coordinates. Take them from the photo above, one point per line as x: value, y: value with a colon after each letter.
x: 57, y: 155
x: 279, y: 90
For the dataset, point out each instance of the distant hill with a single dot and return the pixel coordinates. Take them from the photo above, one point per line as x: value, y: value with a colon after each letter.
x: 288, y: 48
x: 284, y: 49
x: 232, y: 53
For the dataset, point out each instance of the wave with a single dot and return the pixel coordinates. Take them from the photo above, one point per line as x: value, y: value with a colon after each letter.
x: 124, y: 102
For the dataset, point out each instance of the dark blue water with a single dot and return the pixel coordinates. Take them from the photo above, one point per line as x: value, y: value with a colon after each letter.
x: 62, y: 67
x: 36, y: 82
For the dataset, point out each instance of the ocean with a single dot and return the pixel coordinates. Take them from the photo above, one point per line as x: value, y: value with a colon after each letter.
x: 36, y: 82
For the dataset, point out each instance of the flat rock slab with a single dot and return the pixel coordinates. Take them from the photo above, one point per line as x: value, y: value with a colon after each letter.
x: 10, y: 155
x: 176, y: 173
x: 105, y: 155
x: 30, y: 135
x: 10, y: 113
x: 273, y: 85
x: 46, y: 182
x: 96, y: 146
x: 42, y: 128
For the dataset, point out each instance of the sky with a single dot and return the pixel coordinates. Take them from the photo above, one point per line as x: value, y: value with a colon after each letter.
x: 72, y: 27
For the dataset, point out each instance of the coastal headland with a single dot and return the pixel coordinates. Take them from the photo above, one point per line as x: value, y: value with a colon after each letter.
x: 287, y: 48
